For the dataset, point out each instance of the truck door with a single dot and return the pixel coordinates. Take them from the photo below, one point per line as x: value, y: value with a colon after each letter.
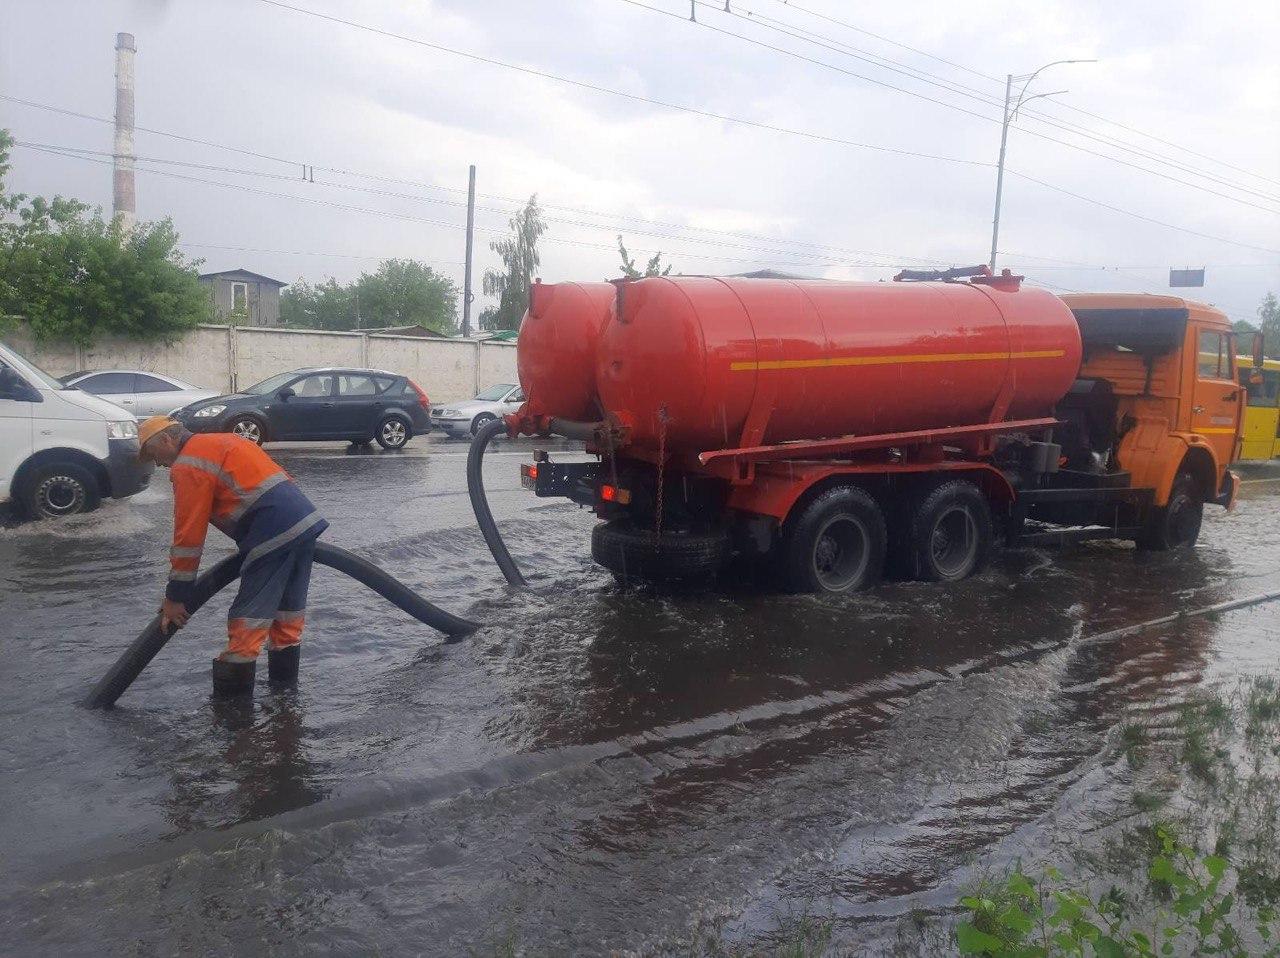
x: 1215, y: 406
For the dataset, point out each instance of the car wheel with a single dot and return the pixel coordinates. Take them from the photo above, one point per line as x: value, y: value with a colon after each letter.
x: 393, y: 432
x: 59, y: 489
x: 836, y: 544
x: 247, y: 427
x: 480, y: 420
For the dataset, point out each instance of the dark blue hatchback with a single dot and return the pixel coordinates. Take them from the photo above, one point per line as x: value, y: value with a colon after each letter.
x: 318, y: 403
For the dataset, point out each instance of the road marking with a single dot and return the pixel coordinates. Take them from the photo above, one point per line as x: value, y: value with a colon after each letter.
x: 827, y: 361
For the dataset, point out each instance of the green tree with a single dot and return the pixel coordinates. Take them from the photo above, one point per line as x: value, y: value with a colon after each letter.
x: 519, y: 253
x: 75, y: 276
x: 1269, y: 323
x: 403, y: 292
x: 327, y: 305
x: 652, y: 268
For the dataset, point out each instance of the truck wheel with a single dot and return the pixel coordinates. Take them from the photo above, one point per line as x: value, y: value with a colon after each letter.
x: 949, y: 535
x: 629, y: 552
x: 59, y: 489
x: 836, y: 544
x: 1176, y: 525
x: 393, y: 432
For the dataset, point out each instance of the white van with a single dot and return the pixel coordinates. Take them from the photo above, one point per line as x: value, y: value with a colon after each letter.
x: 62, y: 450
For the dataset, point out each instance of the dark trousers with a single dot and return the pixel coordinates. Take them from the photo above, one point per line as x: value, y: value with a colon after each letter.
x: 272, y: 600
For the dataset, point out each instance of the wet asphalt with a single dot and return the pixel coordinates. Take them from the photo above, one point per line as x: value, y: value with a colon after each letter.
x: 598, y: 768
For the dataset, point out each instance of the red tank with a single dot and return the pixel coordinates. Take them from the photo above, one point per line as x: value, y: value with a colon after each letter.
x: 556, y: 356
x: 822, y: 359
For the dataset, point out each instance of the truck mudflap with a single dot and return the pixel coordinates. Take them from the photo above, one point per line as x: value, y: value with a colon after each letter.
x: 1230, y: 488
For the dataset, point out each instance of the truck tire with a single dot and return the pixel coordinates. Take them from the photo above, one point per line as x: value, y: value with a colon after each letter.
x: 629, y: 552
x: 949, y: 533
x: 1177, y: 524
x: 56, y: 489
x: 836, y: 543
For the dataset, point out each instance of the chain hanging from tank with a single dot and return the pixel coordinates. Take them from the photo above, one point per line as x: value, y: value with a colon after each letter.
x: 662, y: 468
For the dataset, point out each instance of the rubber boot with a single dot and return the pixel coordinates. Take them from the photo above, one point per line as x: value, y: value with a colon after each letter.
x: 233, y: 678
x: 282, y: 664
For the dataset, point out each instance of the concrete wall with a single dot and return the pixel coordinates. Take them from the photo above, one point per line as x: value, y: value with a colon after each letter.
x: 228, y: 357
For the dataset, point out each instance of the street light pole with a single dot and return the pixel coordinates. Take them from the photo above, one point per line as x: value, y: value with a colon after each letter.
x: 1004, y: 142
x: 1010, y: 114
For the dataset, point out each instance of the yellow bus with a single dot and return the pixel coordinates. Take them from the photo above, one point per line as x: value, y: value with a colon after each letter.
x: 1260, y: 433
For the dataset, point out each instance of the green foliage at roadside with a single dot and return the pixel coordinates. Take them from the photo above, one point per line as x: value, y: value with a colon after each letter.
x: 75, y: 276
x: 1268, y: 322
x: 1196, y: 871
x: 400, y: 292
x: 520, y: 260
x: 652, y: 268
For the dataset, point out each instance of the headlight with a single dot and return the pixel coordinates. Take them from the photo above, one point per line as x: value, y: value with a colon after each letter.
x: 448, y: 414
x: 125, y: 429
x: 208, y: 411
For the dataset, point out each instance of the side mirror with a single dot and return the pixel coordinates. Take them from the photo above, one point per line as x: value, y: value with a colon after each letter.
x: 286, y: 392
x: 1258, y: 345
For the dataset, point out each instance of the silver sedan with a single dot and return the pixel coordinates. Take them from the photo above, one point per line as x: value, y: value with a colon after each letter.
x: 142, y: 393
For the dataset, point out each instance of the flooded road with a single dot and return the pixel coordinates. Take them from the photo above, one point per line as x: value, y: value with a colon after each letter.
x: 597, y: 769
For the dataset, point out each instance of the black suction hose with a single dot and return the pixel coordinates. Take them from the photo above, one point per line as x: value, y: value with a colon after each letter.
x: 480, y: 504
x: 217, y: 577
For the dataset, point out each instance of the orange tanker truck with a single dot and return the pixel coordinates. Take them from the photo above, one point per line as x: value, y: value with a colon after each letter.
x: 839, y: 429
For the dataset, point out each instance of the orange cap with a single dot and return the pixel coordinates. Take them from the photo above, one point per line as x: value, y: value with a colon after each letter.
x: 148, y: 429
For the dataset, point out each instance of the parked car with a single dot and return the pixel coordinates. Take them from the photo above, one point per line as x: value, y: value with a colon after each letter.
x: 142, y: 393
x: 62, y: 450
x: 318, y: 403
x: 464, y: 418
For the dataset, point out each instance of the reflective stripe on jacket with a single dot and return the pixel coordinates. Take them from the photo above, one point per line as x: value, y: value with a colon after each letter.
x: 228, y: 481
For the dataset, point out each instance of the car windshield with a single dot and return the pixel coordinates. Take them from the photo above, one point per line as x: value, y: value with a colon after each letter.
x: 271, y: 384
x: 494, y: 393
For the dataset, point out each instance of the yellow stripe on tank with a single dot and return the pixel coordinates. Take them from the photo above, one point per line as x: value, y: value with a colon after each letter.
x: 893, y: 360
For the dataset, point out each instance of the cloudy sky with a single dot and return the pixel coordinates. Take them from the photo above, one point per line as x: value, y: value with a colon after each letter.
x: 807, y: 164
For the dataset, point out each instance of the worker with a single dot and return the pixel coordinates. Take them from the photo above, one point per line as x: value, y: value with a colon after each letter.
x: 226, y: 480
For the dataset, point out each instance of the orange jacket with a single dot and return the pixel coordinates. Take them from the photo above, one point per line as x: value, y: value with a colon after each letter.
x: 223, y: 479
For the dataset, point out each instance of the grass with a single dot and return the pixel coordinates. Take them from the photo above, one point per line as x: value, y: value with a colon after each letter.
x: 1192, y: 866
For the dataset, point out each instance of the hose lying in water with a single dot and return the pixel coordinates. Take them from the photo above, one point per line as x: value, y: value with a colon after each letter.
x: 480, y: 504
x: 153, y: 638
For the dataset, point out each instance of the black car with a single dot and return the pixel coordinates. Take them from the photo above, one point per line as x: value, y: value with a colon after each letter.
x: 352, y: 404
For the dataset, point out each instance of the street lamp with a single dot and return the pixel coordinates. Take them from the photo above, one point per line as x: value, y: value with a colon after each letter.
x: 1009, y: 116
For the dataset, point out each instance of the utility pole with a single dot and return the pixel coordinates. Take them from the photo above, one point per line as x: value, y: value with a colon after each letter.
x: 1011, y: 108
x: 124, y: 197
x: 466, y: 274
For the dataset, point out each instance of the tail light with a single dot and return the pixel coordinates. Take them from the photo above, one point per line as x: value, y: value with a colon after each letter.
x: 423, y: 401
x: 613, y: 494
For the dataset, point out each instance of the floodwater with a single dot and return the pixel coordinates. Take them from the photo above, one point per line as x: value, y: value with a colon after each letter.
x: 596, y: 769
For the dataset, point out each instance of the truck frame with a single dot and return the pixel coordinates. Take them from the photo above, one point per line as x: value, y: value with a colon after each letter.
x: 1134, y: 451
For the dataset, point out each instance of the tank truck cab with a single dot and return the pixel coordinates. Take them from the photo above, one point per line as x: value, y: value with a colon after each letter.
x: 839, y: 431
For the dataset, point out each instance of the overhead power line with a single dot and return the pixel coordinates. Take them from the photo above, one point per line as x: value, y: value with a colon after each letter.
x: 77, y: 152
x: 827, y: 43
x: 783, y: 51
x: 999, y: 81
x: 758, y: 260
x: 634, y: 97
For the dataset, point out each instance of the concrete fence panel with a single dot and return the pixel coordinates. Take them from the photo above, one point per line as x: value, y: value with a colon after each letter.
x: 228, y: 358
